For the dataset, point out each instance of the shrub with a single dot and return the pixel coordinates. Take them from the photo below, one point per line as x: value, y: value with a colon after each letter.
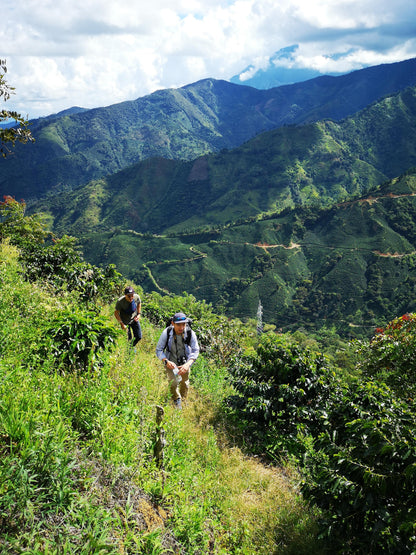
x: 61, y: 266
x: 356, y: 443
x: 390, y: 355
x: 284, y: 392
x: 20, y: 229
x: 363, y: 472
x: 76, y: 339
x: 56, y: 262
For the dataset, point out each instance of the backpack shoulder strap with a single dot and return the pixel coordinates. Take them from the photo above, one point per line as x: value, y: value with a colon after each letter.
x: 168, y: 333
x: 188, y: 335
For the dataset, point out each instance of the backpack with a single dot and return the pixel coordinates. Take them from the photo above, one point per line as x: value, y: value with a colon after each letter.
x: 187, y: 337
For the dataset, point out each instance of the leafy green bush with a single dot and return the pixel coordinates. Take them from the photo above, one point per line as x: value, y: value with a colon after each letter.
x: 356, y: 443
x: 61, y: 266
x: 53, y: 261
x: 362, y: 471
x: 284, y: 391
x: 390, y: 355
x: 77, y: 339
x: 19, y: 228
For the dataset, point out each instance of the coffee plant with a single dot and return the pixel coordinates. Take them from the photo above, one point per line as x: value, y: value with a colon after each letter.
x: 390, y: 356
x: 77, y: 340
x: 362, y: 471
x: 284, y: 391
x: 355, y: 441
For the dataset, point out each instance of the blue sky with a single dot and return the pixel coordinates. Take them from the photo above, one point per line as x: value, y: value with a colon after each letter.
x: 90, y: 53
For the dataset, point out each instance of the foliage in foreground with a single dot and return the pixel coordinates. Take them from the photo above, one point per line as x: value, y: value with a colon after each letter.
x: 77, y: 473
x: 356, y: 442
x: 19, y: 131
x: 390, y: 356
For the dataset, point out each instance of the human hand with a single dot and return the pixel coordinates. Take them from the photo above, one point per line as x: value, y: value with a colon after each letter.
x: 184, y: 368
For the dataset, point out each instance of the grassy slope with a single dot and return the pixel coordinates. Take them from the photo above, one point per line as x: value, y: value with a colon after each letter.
x: 76, y: 467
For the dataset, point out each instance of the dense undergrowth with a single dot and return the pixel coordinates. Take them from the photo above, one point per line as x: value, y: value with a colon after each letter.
x: 77, y: 473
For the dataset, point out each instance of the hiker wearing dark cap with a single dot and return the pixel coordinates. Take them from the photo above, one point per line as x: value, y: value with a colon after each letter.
x: 127, y: 312
x: 178, y: 349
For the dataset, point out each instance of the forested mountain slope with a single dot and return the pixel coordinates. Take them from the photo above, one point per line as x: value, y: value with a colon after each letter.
x: 352, y: 266
x: 183, y: 124
x: 323, y: 162
x: 214, y: 226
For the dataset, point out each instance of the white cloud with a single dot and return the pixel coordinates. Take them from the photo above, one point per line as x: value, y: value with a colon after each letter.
x: 62, y: 53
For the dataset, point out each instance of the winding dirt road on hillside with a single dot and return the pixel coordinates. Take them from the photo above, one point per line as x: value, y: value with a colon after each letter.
x: 372, y: 200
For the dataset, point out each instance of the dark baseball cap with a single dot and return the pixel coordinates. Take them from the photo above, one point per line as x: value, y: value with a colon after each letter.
x: 128, y: 290
x: 179, y: 318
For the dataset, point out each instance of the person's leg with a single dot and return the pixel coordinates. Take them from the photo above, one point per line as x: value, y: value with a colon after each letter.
x: 137, y: 332
x: 173, y: 385
x: 184, y: 386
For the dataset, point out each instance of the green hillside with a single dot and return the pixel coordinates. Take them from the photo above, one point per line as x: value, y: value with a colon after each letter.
x: 229, y: 228
x: 207, y: 116
x: 350, y: 265
x: 78, y: 474
x: 323, y: 162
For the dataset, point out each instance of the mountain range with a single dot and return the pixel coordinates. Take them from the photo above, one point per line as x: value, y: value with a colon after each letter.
x: 301, y: 196
x: 185, y: 123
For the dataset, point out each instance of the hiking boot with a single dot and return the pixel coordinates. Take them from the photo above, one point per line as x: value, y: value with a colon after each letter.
x: 178, y: 403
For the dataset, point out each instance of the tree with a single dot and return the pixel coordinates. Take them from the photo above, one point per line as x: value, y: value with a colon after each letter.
x: 390, y: 356
x: 19, y: 131
x: 21, y: 229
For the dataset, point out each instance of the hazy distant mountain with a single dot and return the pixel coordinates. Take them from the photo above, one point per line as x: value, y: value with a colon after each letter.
x: 280, y: 70
x: 68, y: 112
x: 184, y: 123
x: 7, y: 124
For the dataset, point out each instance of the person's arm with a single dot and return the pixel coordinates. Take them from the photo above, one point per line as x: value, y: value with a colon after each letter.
x: 160, y: 353
x: 191, y: 355
x: 118, y: 318
x: 139, y: 309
